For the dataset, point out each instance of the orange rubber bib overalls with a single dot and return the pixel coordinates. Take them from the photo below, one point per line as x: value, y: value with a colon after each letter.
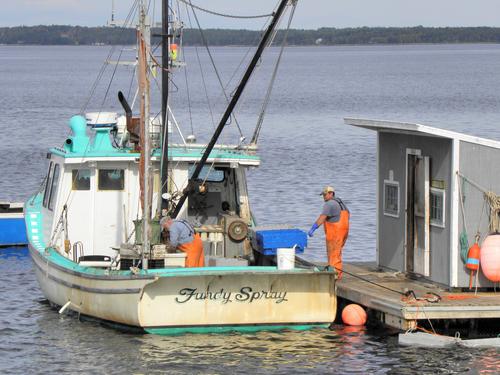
x: 336, y: 236
x: 194, y: 250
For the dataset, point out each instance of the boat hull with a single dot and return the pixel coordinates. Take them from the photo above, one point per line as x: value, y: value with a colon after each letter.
x: 12, y: 229
x: 193, y: 300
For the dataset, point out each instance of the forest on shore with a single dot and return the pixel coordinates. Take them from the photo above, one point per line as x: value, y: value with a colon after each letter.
x: 79, y: 35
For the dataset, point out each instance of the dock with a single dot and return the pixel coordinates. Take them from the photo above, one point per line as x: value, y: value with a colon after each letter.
x: 418, y: 301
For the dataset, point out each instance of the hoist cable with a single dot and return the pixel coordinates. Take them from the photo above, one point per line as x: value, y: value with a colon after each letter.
x: 205, y: 42
x: 267, y: 99
x: 188, y: 2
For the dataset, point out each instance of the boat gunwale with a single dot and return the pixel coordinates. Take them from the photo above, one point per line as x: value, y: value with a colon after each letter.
x: 105, y: 274
x: 58, y: 261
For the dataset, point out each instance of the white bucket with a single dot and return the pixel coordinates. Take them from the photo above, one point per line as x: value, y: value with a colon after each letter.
x: 285, y: 258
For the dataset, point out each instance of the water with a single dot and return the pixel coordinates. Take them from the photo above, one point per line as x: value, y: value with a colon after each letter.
x: 304, y: 145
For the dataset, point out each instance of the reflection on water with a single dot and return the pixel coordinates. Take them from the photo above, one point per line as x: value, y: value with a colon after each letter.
x: 34, y: 338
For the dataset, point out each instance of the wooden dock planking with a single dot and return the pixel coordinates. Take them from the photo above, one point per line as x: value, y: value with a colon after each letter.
x: 403, y: 312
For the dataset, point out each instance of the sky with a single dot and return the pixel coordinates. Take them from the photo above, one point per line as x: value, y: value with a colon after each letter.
x: 310, y: 14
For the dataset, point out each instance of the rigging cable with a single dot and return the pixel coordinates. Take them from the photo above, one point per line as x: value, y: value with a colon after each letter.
x: 111, y: 81
x: 205, y: 42
x: 202, y: 73
x: 93, y: 88
x: 188, y: 2
x: 188, y: 94
x: 267, y: 99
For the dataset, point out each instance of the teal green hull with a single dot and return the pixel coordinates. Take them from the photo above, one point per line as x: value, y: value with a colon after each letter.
x: 173, y: 331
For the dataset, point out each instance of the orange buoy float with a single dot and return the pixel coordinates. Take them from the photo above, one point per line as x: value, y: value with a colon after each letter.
x: 490, y: 257
x: 473, y: 261
x: 173, y: 51
x: 354, y: 315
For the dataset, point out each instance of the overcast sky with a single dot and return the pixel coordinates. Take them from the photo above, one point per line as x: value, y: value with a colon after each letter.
x: 310, y: 14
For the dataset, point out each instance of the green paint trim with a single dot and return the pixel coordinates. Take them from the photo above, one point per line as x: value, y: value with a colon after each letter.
x: 173, y: 153
x: 174, y: 331
x: 33, y: 221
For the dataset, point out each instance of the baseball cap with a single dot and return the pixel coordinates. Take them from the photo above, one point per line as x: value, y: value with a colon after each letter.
x: 327, y: 189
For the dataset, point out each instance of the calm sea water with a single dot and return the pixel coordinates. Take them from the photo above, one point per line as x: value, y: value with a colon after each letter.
x: 304, y: 145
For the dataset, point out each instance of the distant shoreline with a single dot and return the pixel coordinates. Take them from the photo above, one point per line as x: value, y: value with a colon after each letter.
x: 288, y: 45
x: 79, y: 35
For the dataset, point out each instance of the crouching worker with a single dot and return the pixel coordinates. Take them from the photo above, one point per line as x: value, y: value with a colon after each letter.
x: 183, y: 236
x: 335, y: 220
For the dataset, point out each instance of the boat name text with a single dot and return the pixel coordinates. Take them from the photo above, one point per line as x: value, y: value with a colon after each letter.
x: 245, y: 294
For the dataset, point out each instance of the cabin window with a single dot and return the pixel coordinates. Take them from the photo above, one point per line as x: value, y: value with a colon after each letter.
x: 48, y: 183
x: 391, y: 198
x: 437, y: 207
x: 80, y: 179
x: 55, y: 185
x: 208, y: 174
x: 111, y: 179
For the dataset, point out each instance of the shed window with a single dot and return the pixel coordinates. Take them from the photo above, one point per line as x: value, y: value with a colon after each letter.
x: 55, y: 185
x: 111, y: 179
x: 48, y: 183
x: 80, y: 179
x: 391, y: 198
x: 437, y: 207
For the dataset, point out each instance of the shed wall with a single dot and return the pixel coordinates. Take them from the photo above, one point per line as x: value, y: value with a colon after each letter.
x: 478, y: 164
x: 392, y: 231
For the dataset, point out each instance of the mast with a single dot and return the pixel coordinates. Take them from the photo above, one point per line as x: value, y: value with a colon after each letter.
x: 145, y: 159
x: 265, y: 39
x: 164, y: 106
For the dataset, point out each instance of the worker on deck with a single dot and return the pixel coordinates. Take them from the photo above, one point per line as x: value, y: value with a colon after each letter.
x: 183, y: 236
x: 335, y: 219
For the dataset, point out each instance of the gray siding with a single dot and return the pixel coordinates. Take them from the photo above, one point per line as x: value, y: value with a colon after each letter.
x: 392, y: 156
x: 479, y: 164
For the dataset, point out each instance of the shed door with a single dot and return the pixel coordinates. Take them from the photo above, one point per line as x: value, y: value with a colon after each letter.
x: 418, y: 216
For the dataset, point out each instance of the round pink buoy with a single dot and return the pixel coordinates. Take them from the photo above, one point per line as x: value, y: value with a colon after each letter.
x: 490, y: 257
x: 354, y: 315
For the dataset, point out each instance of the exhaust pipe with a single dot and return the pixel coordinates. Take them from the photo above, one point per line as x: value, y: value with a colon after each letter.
x: 126, y: 107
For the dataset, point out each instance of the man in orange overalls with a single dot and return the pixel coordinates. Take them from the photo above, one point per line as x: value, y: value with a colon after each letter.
x: 183, y: 236
x: 335, y: 219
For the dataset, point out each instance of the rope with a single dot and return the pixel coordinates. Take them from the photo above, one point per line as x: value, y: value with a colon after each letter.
x: 431, y: 296
x: 493, y: 201
x: 188, y: 2
x: 464, y: 240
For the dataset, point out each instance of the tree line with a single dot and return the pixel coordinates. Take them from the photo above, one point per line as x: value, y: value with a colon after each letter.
x: 78, y: 35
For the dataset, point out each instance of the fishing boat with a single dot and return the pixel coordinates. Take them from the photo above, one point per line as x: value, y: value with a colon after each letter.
x: 93, y: 228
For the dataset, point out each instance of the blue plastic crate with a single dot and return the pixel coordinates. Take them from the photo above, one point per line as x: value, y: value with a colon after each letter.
x: 270, y: 240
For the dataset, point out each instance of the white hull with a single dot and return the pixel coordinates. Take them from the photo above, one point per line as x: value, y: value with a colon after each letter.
x: 191, y: 299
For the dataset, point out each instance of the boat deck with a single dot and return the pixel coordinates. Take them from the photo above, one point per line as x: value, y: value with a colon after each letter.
x: 428, y: 301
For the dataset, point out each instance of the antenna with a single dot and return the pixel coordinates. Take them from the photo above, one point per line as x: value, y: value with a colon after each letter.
x: 112, y: 22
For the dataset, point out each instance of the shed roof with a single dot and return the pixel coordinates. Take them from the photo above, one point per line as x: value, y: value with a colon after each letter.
x: 418, y: 129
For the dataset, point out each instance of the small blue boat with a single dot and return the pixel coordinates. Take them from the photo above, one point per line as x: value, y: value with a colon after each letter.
x: 12, y: 226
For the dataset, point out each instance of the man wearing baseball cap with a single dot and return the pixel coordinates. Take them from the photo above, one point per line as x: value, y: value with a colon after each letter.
x: 335, y: 220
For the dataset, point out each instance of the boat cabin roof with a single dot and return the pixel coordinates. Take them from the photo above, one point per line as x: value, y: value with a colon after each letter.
x: 183, y: 153
x: 418, y: 129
